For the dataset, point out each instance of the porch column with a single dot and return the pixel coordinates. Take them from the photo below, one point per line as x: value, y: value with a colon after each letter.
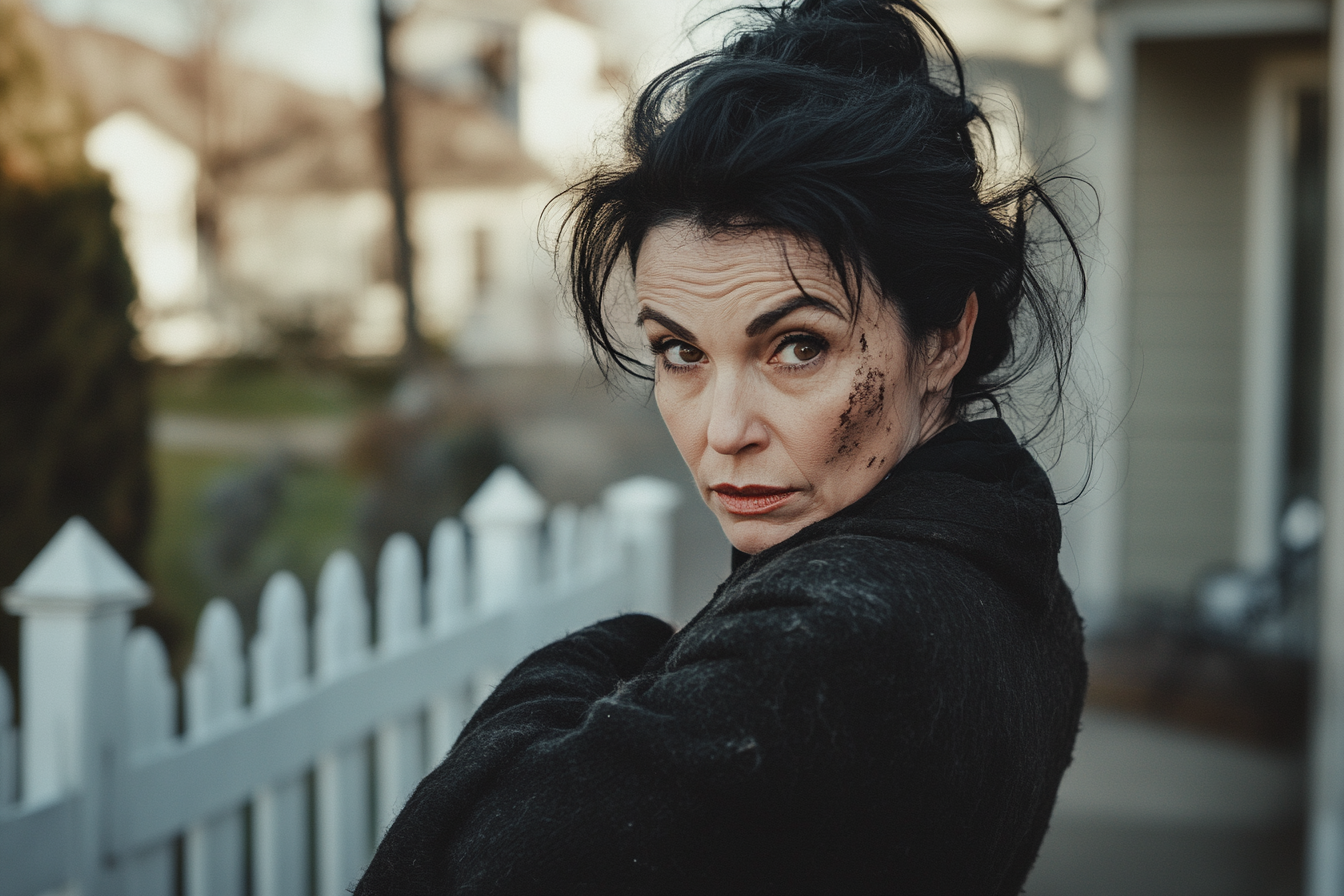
x: 1325, y: 861
x: 1094, y: 524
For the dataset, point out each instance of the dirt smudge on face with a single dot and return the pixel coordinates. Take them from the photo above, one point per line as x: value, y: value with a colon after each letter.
x: 866, y: 400
x: 863, y: 342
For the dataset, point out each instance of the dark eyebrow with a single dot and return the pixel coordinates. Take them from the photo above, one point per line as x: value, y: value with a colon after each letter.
x: 763, y: 322
x: 658, y: 317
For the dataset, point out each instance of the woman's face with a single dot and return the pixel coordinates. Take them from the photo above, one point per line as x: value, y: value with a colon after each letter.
x: 784, y: 407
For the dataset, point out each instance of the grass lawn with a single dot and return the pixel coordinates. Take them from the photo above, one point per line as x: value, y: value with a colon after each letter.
x: 314, y: 514
x: 244, y: 388
x: 224, y: 522
x: 313, y: 511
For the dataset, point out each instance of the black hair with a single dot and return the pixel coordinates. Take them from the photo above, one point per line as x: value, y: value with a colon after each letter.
x: 827, y: 120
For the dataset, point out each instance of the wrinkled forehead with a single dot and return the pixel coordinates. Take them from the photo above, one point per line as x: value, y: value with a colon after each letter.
x: 683, y: 260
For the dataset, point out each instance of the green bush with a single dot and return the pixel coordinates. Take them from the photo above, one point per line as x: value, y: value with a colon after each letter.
x: 75, y: 407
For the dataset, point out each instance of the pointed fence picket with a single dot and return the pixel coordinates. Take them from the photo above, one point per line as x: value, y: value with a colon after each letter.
x: 446, y: 600
x: 279, y: 665
x: 214, y: 681
x: 562, y: 538
x: 310, y: 764
x: 399, y: 742
x: 151, y: 719
x: 595, y: 554
x: 9, y: 745
x: 344, y: 837
x: 446, y: 579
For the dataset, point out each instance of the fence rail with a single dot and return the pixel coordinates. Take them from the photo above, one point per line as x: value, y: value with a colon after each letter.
x: 296, y: 752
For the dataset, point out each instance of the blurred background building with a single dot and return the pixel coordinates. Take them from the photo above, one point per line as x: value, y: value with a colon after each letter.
x: 280, y: 415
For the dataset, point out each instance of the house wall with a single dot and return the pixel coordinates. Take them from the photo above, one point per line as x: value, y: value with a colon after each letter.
x: 301, y: 247
x: 1181, y: 488
x: 485, y: 276
x: 310, y: 257
x: 484, y: 281
x: 153, y: 178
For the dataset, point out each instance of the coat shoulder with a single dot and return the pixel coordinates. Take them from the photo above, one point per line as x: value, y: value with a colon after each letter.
x: 856, y: 569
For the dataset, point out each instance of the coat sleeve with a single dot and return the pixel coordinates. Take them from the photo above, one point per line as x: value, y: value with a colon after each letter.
x: 582, y: 774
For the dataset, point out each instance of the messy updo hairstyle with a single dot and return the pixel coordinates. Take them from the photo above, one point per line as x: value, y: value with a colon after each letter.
x: 847, y: 125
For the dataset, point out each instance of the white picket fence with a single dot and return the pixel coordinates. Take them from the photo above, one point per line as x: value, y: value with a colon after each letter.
x: 288, y: 768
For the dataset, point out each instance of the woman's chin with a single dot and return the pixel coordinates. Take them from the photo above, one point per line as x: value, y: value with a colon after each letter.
x: 753, y: 535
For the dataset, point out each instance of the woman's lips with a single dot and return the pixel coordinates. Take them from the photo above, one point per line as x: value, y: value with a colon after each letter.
x: 750, y: 500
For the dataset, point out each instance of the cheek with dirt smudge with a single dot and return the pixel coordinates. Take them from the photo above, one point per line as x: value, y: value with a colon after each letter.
x: 867, y: 397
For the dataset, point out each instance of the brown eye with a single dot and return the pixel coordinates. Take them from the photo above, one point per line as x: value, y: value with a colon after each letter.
x: 679, y: 354
x: 799, y: 351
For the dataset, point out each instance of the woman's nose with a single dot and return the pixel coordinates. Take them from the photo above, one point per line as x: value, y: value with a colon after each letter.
x: 735, y: 420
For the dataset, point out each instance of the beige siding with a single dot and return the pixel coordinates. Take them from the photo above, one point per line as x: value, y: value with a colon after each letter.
x: 1190, y: 158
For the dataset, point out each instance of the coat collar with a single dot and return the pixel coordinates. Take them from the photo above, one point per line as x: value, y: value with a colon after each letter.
x: 971, y: 491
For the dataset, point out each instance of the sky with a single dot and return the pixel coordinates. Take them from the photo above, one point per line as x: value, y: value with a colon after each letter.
x: 330, y: 45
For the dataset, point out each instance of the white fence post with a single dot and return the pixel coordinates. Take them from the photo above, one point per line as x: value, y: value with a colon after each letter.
x: 446, y: 597
x: 151, y: 727
x: 75, y: 601
x: 341, y: 642
x: 640, y: 515
x: 279, y: 657
x: 504, y: 520
x: 399, y: 743
x: 214, y: 691
x: 504, y: 517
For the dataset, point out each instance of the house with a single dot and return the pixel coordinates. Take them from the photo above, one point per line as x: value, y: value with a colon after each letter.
x: 1210, y: 155
x: 255, y: 210
x: 1201, y: 126
x: 1223, y: 311
x: 1216, y: 321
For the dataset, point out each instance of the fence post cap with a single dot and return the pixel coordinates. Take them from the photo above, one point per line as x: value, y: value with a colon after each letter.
x: 506, y: 497
x: 643, y: 494
x: 76, y: 572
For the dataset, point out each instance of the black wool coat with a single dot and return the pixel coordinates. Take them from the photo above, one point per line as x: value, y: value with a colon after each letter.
x: 885, y: 702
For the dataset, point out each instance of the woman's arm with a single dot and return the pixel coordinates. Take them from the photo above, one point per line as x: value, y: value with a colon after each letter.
x: 581, y: 775
x: 557, y: 683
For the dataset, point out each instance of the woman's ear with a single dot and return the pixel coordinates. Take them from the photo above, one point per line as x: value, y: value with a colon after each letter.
x: 951, y: 348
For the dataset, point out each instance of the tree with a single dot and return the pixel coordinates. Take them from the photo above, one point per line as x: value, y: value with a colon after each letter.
x: 403, y: 254
x: 75, y: 408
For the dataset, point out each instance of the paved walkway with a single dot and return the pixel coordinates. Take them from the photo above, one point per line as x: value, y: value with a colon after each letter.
x: 1148, y: 810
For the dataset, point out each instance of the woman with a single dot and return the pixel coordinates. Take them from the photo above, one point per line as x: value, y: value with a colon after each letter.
x: 883, y: 695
